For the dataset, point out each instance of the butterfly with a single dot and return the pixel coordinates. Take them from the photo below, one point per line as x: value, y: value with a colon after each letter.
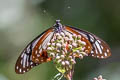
x: 35, y: 53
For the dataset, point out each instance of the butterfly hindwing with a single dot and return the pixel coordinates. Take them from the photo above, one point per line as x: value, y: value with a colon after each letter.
x: 99, y: 48
x: 39, y: 53
x: 25, y: 62
x: 88, y: 46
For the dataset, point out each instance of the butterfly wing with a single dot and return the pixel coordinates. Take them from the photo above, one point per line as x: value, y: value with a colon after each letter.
x: 99, y: 48
x: 88, y: 46
x: 39, y: 53
x: 25, y: 62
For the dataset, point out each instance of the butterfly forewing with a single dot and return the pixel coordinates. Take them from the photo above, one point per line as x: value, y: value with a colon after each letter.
x: 39, y: 53
x: 88, y: 46
x: 25, y: 62
x: 99, y: 48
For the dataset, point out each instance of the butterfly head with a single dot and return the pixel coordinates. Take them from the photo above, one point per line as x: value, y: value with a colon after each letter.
x: 58, y: 26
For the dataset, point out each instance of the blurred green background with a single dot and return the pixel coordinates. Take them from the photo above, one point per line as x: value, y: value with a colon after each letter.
x: 22, y: 20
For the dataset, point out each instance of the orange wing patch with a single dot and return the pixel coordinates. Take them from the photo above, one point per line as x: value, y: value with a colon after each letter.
x: 39, y: 53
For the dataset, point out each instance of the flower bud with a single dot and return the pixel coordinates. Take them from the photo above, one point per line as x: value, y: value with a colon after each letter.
x: 59, y: 37
x: 73, y: 61
x: 74, y: 36
x: 63, y: 63
x: 49, y: 48
x: 74, y: 44
x: 52, y: 54
x: 62, y: 56
x: 57, y: 57
x: 80, y: 56
x: 67, y: 62
x: 57, y: 34
x: 79, y: 36
x: 59, y: 60
x: 53, y: 44
x: 85, y: 54
x: 66, y: 38
x: 58, y: 45
x: 70, y: 46
x: 62, y: 34
x: 83, y: 43
x: 48, y: 44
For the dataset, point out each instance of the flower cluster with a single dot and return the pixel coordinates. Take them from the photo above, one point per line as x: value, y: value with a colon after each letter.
x: 63, y: 48
x: 99, y: 78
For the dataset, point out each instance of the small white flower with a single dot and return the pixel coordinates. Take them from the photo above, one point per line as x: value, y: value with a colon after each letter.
x: 59, y: 37
x: 80, y: 56
x: 77, y: 51
x: 57, y: 34
x: 63, y: 52
x: 64, y: 45
x: 52, y: 40
x: 49, y: 48
x: 62, y: 56
x: 67, y: 62
x: 85, y: 54
x: 79, y: 36
x: 82, y: 42
x: 63, y: 63
x: 57, y: 57
x: 48, y: 44
x: 62, y: 34
x: 58, y: 45
x: 70, y: 57
x: 74, y: 44
x: 66, y: 38
x: 59, y: 60
x: 73, y: 61
x: 74, y: 35
x: 79, y: 41
x: 53, y: 44
x: 95, y: 79
x: 70, y: 46
x: 52, y: 54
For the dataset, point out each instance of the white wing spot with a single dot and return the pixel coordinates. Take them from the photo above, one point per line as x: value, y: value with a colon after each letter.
x: 17, y: 67
x: 22, y: 54
x: 88, y: 47
x: 40, y: 50
x: 105, y: 54
x: 36, y: 52
x: 99, y: 41
x: 27, y: 69
x: 24, y: 60
x: 31, y: 63
x: 24, y: 71
x: 102, y: 57
x: 21, y: 62
x: 102, y: 47
x: 20, y: 70
x: 95, y: 49
x: 98, y: 46
x: 92, y: 52
x: 38, y: 55
x: 108, y: 50
x: 33, y: 57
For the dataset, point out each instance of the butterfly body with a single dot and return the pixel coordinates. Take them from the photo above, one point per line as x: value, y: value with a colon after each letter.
x: 36, y: 51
